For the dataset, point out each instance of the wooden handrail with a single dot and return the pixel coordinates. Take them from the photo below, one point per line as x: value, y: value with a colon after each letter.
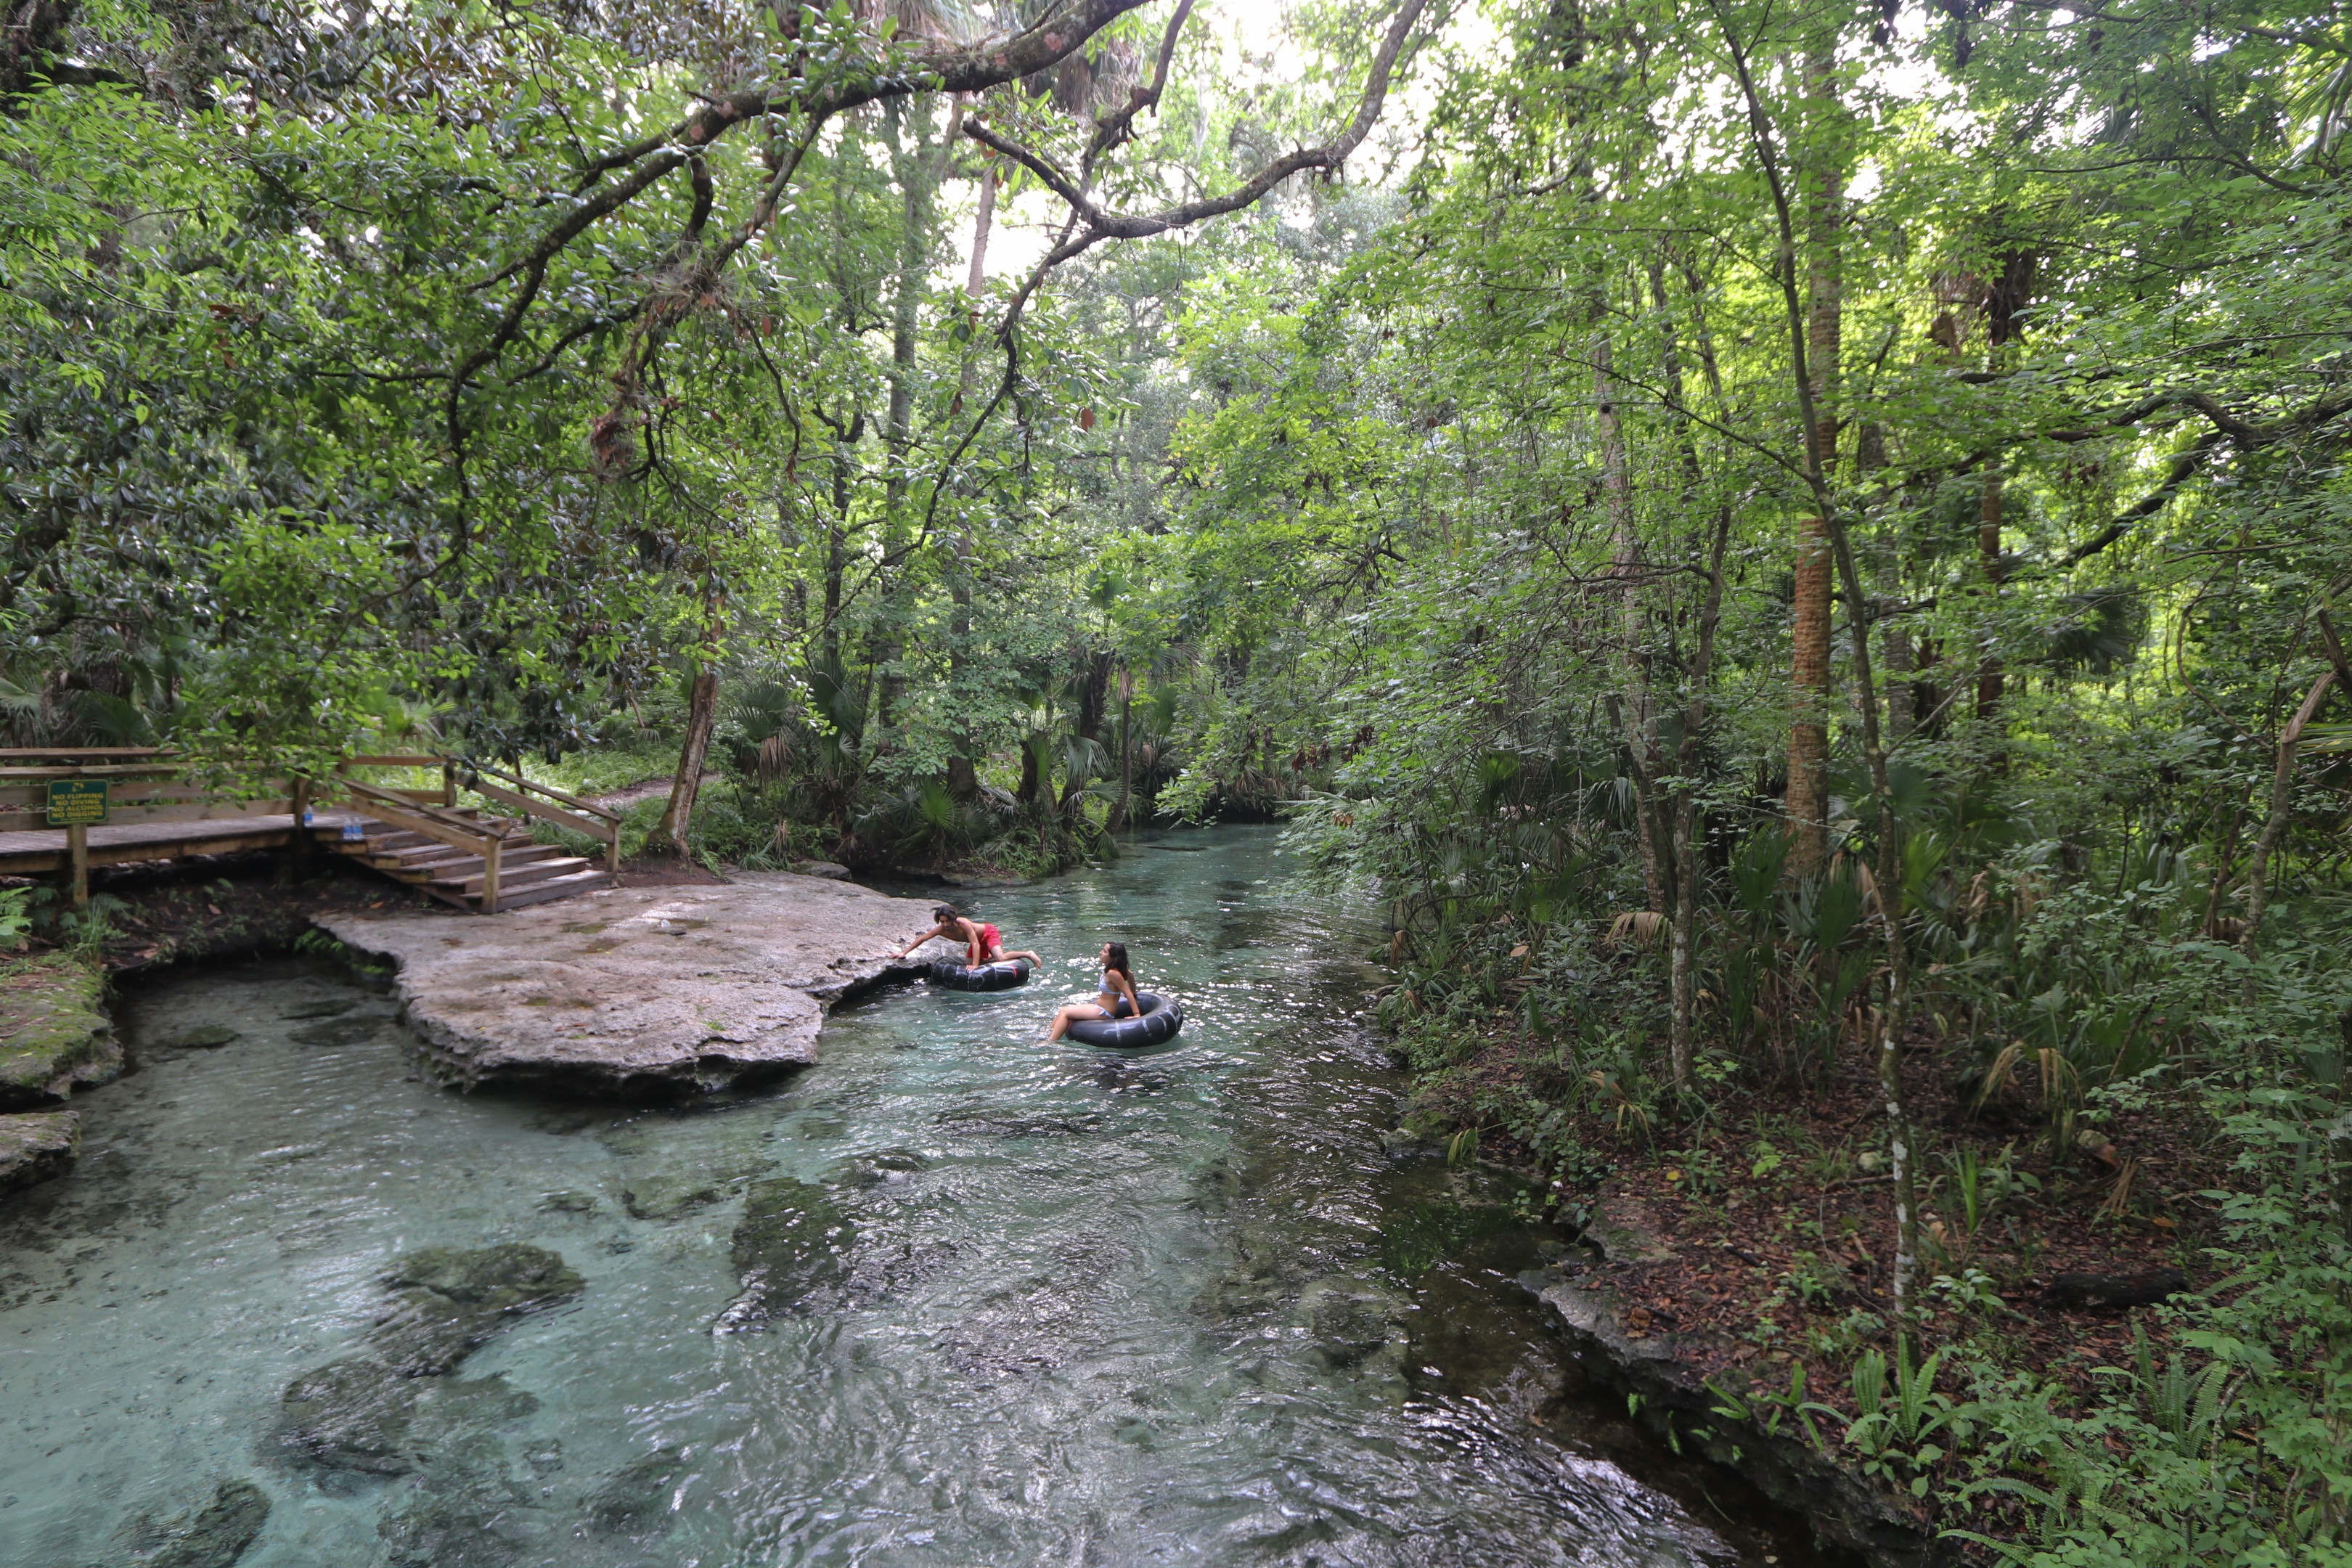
x: 589, y: 807
x: 80, y: 752
x: 102, y: 770
x: 604, y: 826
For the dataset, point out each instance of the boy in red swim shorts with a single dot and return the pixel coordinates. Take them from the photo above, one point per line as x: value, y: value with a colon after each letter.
x: 981, y: 943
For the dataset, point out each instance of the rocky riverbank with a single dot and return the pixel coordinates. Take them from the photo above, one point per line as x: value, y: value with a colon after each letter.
x: 637, y: 992
x: 54, y: 1038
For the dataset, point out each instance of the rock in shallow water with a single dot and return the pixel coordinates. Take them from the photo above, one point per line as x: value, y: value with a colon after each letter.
x: 338, y: 1032
x: 36, y: 1146
x: 366, y: 1416
x: 667, y: 1197
x: 210, y: 1038
x: 350, y: 1415
x: 636, y: 1502
x: 791, y: 1250
x: 666, y: 991
x: 468, y: 1509
x: 55, y: 1036
x: 447, y: 1301
x: 221, y: 1533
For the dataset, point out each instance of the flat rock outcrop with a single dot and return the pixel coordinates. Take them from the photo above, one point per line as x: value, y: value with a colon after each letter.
x: 36, y: 1145
x: 55, y: 1036
x: 640, y: 993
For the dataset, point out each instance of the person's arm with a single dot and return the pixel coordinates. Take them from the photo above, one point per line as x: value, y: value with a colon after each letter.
x: 918, y: 941
x: 1132, y: 999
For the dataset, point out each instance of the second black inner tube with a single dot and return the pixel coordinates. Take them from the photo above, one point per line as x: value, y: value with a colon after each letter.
x: 1157, y: 1023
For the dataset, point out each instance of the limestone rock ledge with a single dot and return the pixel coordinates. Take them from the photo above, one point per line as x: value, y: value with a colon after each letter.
x: 36, y: 1145
x: 55, y: 1036
x: 1846, y: 1514
x: 639, y: 993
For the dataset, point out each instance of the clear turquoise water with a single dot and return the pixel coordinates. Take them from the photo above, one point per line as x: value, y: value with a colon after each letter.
x: 1174, y: 1308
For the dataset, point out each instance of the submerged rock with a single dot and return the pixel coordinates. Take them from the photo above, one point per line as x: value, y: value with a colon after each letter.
x: 448, y: 1302
x: 55, y: 1036
x: 667, y: 991
x: 332, y: 1008
x: 337, y: 1032
x: 637, y: 1501
x: 369, y: 1418
x: 350, y: 1415
x: 221, y: 1531
x: 467, y: 1511
x: 210, y: 1038
x: 791, y: 1251
x: 887, y: 1168
x: 1351, y: 1323
x: 996, y: 1123
x: 38, y: 1145
x: 216, y: 1536
x: 667, y: 1197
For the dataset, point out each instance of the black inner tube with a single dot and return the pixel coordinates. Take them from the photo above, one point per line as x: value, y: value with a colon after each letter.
x: 1156, y: 1024
x: 1002, y: 975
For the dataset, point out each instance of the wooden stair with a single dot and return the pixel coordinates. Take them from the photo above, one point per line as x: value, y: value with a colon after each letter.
x: 529, y: 873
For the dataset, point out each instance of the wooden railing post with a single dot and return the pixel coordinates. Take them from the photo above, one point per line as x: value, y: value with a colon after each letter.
x: 302, y: 842
x: 78, y: 854
x: 448, y: 781
x: 490, y: 873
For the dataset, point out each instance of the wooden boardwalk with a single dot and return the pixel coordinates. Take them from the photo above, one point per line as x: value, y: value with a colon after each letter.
x: 466, y: 857
x: 36, y: 850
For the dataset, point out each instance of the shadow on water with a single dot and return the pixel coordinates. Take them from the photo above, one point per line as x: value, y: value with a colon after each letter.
x: 948, y: 1299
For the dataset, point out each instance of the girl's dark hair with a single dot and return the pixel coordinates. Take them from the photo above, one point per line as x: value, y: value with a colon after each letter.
x: 944, y: 913
x: 1119, y: 960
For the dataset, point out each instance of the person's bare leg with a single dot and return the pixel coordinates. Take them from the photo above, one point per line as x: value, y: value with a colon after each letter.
x: 1034, y: 962
x: 1062, y: 1019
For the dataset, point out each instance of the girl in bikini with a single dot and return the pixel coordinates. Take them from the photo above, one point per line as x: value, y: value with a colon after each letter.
x: 981, y: 943
x: 1117, y: 996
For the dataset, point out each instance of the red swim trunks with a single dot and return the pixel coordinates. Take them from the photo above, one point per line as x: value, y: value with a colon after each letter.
x: 989, y: 940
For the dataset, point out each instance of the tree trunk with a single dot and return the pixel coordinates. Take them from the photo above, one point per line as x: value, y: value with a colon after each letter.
x: 2281, y: 804
x: 1126, y: 747
x: 1032, y: 779
x: 1681, y: 1029
x: 1901, y: 696
x: 1897, y: 995
x: 1822, y: 177
x: 981, y: 221
x: 1991, y: 680
x: 963, y: 777
x: 1636, y: 714
x: 701, y: 716
x: 1807, y: 806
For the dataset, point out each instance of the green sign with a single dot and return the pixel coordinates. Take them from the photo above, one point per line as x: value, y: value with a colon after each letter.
x: 77, y: 802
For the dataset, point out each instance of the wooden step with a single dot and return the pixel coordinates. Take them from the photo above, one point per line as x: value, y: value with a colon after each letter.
x: 529, y: 873
x: 440, y: 859
x: 564, y: 887
x: 510, y: 875
x: 454, y: 868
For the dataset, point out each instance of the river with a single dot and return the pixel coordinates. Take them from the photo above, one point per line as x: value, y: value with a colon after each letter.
x: 1066, y: 1308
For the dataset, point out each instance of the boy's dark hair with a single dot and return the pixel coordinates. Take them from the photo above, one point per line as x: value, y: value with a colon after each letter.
x: 1119, y: 960
x: 944, y: 913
